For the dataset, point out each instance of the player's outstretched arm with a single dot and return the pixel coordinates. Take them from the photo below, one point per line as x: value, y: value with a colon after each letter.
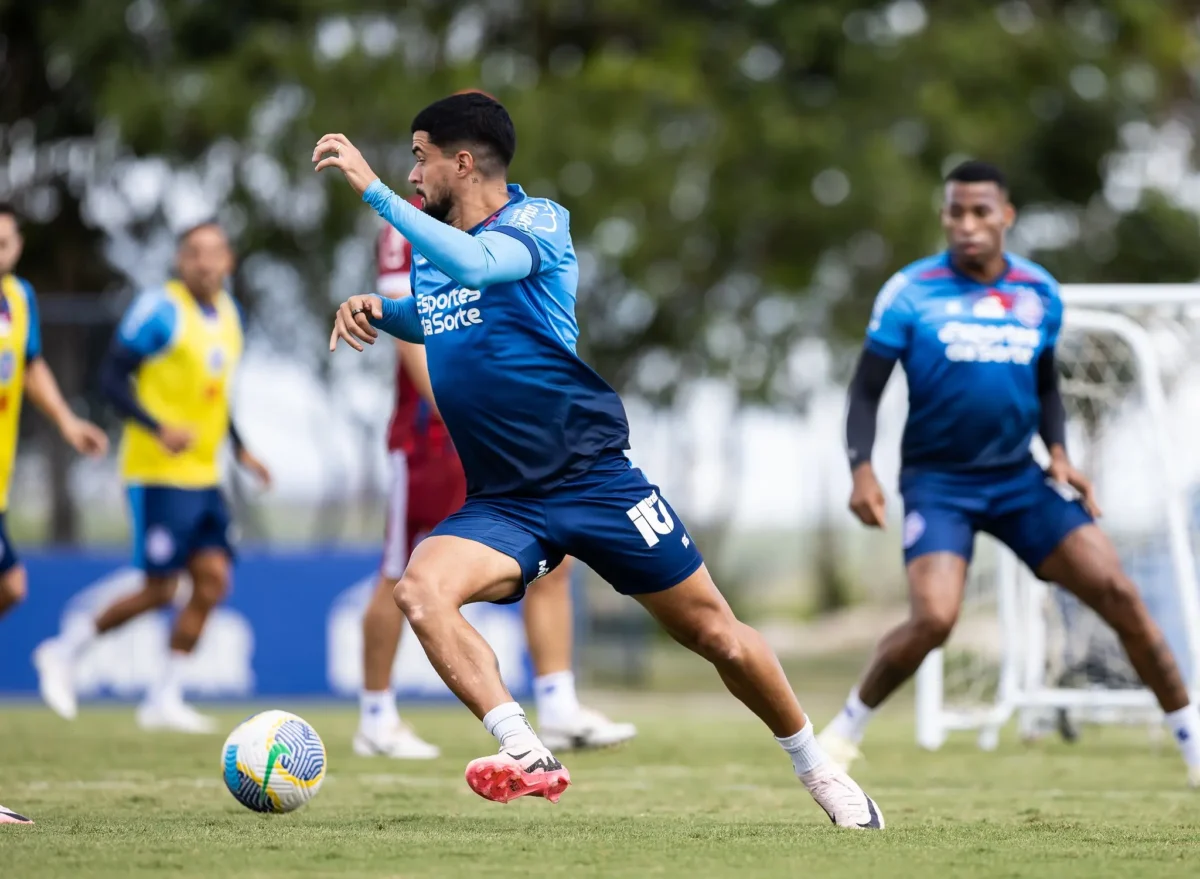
x: 866, y: 390
x: 474, y: 261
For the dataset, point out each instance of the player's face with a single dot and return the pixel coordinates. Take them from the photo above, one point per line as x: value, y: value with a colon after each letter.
x: 975, y: 217
x: 10, y: 244
x: 205, y: 261
x: 434, y: 175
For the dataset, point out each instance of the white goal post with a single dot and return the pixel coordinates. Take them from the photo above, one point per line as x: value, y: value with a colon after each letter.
x: 1129, y: 362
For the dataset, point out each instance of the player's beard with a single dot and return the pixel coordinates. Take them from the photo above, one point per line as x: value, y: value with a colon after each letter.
x: 439, y: 210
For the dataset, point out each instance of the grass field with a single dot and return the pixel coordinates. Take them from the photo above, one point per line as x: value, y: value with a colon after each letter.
x: 703, y: 792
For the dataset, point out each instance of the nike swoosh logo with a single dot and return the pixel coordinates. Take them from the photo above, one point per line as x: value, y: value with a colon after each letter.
x: 873, y: 823
x: 520, y: 756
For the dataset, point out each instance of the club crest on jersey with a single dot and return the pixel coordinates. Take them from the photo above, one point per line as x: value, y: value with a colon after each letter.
x: 216, y: 360
x: 1028, y: 308
x: 990, y: 307
x: 8, y: 366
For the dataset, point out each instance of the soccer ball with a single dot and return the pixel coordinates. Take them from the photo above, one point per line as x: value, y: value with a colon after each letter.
x: 273, y: 762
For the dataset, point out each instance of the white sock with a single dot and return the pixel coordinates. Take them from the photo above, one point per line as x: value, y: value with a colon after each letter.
x: 377, y: 710
x: 852, y: 720
x: 803, y: 748
x: 75, y: 639
x: 554, y: 695
x: 170, y: 684
x: 508, y: 724
x: 1185, y: 727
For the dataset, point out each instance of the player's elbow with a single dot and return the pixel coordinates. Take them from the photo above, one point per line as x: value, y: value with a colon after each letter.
x: 473, y: 277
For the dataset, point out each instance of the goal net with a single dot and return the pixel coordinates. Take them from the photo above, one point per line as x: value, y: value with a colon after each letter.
x: 1130, y: 383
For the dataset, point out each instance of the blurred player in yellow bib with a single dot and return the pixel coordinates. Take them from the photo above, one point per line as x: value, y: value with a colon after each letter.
x: 169, y: 373
x: 23, y: 372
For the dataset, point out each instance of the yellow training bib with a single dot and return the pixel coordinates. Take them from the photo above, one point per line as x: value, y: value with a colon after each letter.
x: 187, y: 385
x: 14, y: 341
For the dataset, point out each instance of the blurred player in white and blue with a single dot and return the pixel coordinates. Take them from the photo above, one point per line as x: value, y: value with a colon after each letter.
x: 975, y: 330
x: 542, y: 440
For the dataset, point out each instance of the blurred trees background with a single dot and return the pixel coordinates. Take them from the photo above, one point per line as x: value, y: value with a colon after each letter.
x: 741, y: 174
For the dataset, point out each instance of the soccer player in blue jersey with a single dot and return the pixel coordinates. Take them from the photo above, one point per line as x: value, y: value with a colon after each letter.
x: 975, y: 329
x: 542, y: 440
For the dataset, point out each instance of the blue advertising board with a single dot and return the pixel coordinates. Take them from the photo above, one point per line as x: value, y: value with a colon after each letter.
x: 292, y: 626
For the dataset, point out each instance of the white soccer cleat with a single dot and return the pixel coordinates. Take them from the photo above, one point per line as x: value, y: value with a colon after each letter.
x: 56, y: 682
x: 842, y: 799
x: 8, y: 816
x: 173, y: 715
x: 588, y: 729
x: 840, y: 750
x: 519, y: 771
x: 398, y: 742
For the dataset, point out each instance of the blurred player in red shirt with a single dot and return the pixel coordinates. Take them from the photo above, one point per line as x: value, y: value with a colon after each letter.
x: 428, y: 485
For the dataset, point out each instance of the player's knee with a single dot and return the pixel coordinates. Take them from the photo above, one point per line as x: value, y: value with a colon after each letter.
x: 417, y: 596
x: 933, y: 625
x: 160, y: 594
x: 716, y: 639
x: 12, y: 590
x: 1118, y: 603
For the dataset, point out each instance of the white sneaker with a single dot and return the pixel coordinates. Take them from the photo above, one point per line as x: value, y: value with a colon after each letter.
x: 842, y: 799
x: 56, y: 682
x: 398, y: 742
x: 841, y: 750
x: 175, y: 715
x: 588, y: 729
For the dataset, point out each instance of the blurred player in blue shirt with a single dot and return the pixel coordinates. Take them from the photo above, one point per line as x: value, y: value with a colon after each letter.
x: 542, y: 440
x: 975, y: 329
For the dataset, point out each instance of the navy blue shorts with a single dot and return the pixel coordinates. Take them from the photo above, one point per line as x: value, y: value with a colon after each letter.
x: 8, y: 555
x: 1022, y: 508
x: 171, y: 524
x: 613, y: 520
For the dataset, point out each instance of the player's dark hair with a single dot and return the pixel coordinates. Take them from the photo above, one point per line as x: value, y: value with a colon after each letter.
x: 474, y: 121
x: 7, y: 209
x: 206, y: 223
x: 975, y: 171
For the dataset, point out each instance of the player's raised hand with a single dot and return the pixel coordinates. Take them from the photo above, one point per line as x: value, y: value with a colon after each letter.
x: 336, y: 151
x: 351, y: 325
x: 866, y: 499
x: 1063, y: 472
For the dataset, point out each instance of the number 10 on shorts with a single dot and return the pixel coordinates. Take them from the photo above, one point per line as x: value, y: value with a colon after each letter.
x: 651, y: 518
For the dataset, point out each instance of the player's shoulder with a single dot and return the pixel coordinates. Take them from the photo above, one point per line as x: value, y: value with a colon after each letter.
x: 26, y: 288
x: 910, y: 280
x: 535, y: 215
x: 150, y: 306
x: 1029, y: 273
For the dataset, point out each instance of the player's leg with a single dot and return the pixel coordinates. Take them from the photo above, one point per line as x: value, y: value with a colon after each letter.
x: 201, y: 526
x: 628, y: 533
x: 938, y: 547
x: 380, y: 731
x: 485, y: 552
x: 1086, y: 563
x: 563, y: 723
x: 12, y: 572
x: 55, y: 658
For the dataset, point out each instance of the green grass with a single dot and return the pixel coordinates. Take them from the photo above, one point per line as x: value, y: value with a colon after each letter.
x: 702, y: 793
